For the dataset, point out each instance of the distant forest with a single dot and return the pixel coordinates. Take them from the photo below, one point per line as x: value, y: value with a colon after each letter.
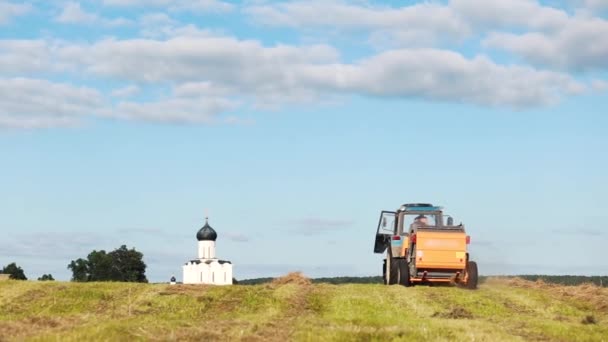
x: 551, y: 279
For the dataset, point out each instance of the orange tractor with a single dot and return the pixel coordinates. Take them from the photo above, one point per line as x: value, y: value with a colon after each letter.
x: 423, y: 249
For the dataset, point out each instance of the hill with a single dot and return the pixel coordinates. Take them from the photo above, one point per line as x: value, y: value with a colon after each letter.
x: 293, y: 308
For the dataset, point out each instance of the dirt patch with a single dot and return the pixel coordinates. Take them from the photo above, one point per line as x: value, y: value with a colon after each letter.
x: 183, y: 290
x: 517, y: 308
x: 44, y: 322
x: 455, y: 313
x: 291, y: 278
x: 589, y: 319
x: 35, y: 325
x: 193, y: 332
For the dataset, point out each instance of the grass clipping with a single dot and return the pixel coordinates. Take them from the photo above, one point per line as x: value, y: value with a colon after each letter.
x: 296, y: 278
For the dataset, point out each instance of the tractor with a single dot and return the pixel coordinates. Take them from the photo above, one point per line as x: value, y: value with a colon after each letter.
x: 422, y: 248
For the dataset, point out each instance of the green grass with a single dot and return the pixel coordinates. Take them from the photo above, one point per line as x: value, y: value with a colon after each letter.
x: 497, y: 311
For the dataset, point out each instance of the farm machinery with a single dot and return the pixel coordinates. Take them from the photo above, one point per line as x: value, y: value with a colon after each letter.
x: 422, y: 248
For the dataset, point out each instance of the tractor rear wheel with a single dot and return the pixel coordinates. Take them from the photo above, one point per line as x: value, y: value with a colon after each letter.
x: 471, y: 275
x: 393, y: 271
x: 404, y: 272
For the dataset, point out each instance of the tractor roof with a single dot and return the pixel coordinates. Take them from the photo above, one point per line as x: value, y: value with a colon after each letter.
x: 420, y: 207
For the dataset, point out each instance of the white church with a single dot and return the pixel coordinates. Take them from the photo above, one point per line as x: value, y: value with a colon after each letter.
x: 207, y: 269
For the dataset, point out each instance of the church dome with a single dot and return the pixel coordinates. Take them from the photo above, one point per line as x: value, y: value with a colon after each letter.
x: 206, y: 233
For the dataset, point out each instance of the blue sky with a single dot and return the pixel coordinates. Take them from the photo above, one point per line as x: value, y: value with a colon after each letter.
x: 295, y: 123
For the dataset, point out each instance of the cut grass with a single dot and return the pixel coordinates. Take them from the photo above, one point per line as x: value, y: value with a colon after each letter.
x: 294, y: 309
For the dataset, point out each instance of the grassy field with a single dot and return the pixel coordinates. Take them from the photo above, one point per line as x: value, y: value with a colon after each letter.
x: 294, y: 309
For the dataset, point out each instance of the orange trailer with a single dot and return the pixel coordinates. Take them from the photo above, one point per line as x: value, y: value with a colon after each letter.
x: 423, y: 248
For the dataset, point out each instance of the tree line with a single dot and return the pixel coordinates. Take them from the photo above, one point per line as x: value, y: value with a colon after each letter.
x: 121, y: 264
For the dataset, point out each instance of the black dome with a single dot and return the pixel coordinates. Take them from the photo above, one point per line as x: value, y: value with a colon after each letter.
x: 206, y: 233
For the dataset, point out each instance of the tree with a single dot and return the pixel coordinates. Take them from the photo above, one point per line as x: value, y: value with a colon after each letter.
x: 121, y: 264
x: 46, y: 277
x: 127, y: 265
x: 79, y: 270
x: 99, y: 266
x: 15, y: 271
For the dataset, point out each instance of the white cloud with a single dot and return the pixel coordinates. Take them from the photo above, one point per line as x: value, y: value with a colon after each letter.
x: 161, y: 25
x: 456, y: 19
x: 599, y: 85
x: 188, y: 103
x: 72, y: 13
x: 448, y: 76
x: 423, y: 23
x: 246, y: 64
x: 213, y: 76
x: 177, y: 5
x: 8, y: 10
x: 10, y: 121
x: 24, y: 56
x: 596, y: 4
x: 33, y: 103
x: 189, y: 30
x: 203, y: 6
x: 196, y: 89
x: 579, y: 45
x: 127, y: 91
x: 246, y: 68
x: 426, y: 23
x: 549, y: 36
x: 485, y: 14
x: 50, y: 245
x: 137, y: 2
x: 156, y: 19
x: 174, y: 110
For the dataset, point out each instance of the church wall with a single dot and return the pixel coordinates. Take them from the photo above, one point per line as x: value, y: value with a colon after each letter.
x: 203, y: 273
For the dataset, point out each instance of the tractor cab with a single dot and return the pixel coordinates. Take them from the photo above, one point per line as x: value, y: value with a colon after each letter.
x: 423, y: 245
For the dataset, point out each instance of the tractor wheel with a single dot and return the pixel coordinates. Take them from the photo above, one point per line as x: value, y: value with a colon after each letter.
x: 393, y: 271
x: 471, y: 275
x: 384, y: 271
x: 404, y: 273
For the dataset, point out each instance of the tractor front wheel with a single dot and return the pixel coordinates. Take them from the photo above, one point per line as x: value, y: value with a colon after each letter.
x: 384, y: 271
x: 471, y: 275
